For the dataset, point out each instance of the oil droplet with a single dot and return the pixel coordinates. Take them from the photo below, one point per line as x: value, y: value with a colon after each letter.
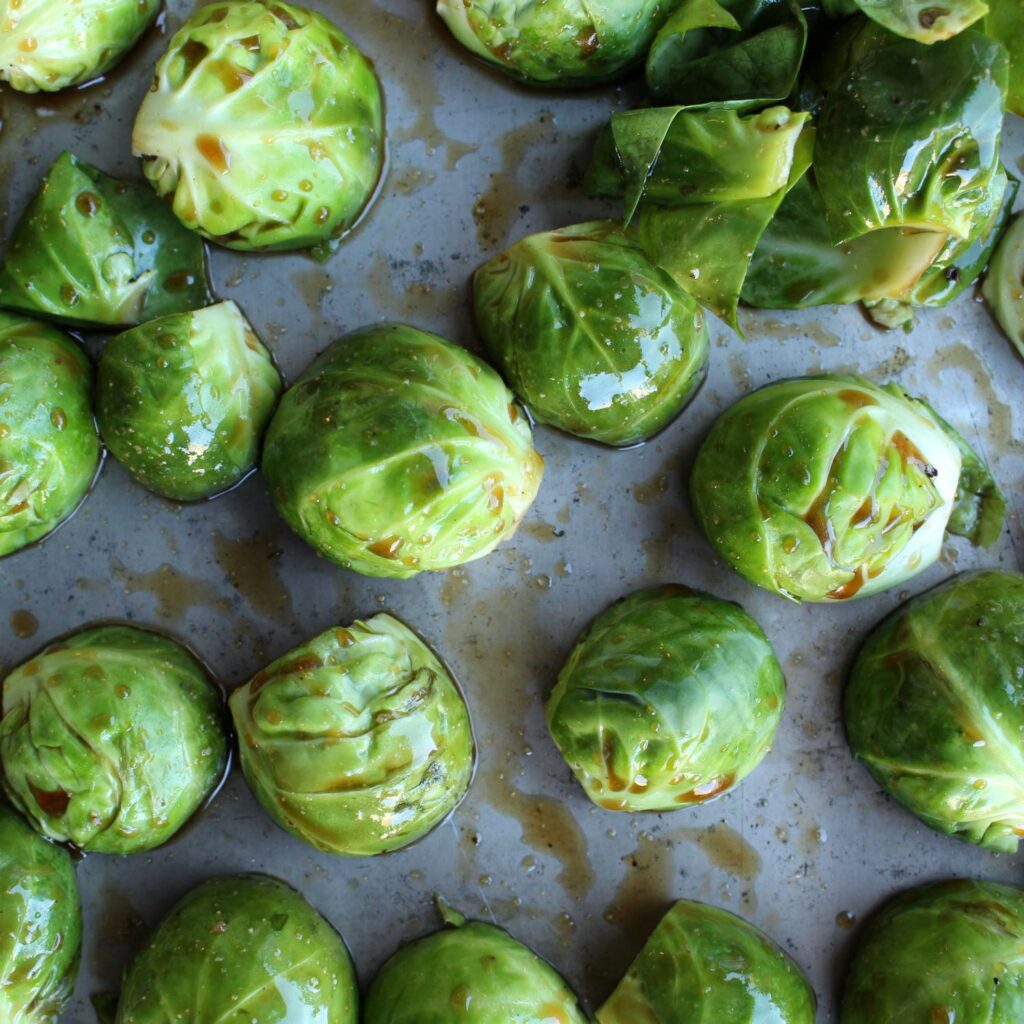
x: 23, y: 623
x: 845, y: 919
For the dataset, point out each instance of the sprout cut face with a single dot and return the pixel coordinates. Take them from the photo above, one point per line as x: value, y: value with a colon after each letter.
x: 1004, y: 285
x: 49, y: 448
x: 669, y: 698
x: 246, y: 947
x: 359, y: 741
x: 183, y: 401
x: 593, y: 337
x: 397, y: 452
x: 111, y: 739
x: 264, y: 127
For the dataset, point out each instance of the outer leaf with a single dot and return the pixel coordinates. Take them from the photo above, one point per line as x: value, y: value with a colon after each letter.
x: 926, y: 21
x: 1004, y: 285
x: 1005, y: 22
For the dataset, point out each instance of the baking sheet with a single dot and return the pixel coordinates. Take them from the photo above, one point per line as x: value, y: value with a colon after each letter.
x: 803, y: 848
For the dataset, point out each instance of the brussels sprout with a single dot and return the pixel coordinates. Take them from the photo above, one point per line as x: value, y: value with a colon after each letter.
x: 593, y: 337
x: 241, y: 948
x: 40, y: 924
x: 1005, y: 22
x: 935, y: 707
x: 1004, y: 285
x: 92, y: 251
x: 397, y: 452
x: 668, y: 699
x: 46, y: 45
x: 111, y: 739
x: 264, y: 127
x: 924, y: 20
x: 949, y: 951
x: 471, y: 972
x: 359, y: 741
x: 49, y: 449
x: 705, y: 964
x: 827, y: 488
x: 559, y: 42
x: 183, y: 401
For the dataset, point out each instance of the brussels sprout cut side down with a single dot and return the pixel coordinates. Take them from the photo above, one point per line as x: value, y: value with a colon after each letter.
x: 359, y: 741
x: 669, y: 698
x: 111, y: 739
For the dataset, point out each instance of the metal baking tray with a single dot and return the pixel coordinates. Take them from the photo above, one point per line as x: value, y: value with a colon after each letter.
x: 804, y: 848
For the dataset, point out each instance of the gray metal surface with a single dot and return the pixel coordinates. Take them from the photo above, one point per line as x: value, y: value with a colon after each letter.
x: 803, y: 847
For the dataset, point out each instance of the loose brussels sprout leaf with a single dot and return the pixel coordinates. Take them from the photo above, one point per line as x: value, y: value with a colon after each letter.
x: 567, y: 43
x: 49, y: 448
x: 470, y: 972
x: 705, y: 964
x: 669, y: 698
x: 924, y: 20
x: 935, y: 707
x: 827, y: 488
x: 264, y: 127
x: 183, y: 401
x: 40, y: 924
x: 910, y: 136
x: 746, y: 51
x: 1004, y: 285
x: 46, y: 45
x: 92, y: 251
x: 359, y: 741
x: 245, y: 948
x: 592, y: 336
x: 1005, y: 22
x: 949, y: 951
x: 111, y: 739
x: 398, y: 452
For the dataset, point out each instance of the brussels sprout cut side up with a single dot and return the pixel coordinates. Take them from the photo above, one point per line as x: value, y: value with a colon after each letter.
x: 397, y: 452
x: 359, y: 741
x: 183, y: 401
x: 264, y: 128
x: 1004, y: 286
x: 111, y: 739
x: 669, y: 698
x: 245, y: 948
x: 40, y: 924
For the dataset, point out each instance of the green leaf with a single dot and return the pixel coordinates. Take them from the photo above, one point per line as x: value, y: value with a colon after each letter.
x: 927, y: 21
x: 1005, y: 22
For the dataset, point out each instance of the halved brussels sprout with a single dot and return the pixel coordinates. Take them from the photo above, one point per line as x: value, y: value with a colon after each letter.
x: 183, y: 401
x: 559, y: 42
x: 264, y: 126
x: 1004, y: 285
x: 358, y: 741
x: 668, y: 699
x: 46, y: 45
x: 111, y: 739
x: 705, y: 964
x: 398, y: 452
x: 40, y: 924
x: 49, y: 448
x: 827, y: 488
x: 935, y: 707
x: 945, y: 952
x: 471, y: 972
x: 241, y: 948
x: 591, y: 335
x: 93, y: 251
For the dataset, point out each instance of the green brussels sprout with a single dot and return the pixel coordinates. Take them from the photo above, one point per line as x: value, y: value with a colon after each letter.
x: 1005, y: 22
x: 358, y: 741
x: 705, y: 964
x: 471, y: 972
x: 46, y: 45
x: 935, y: 707
x: 40, y: 924
x: 944, y: 952
x: 49, y: 448
x: 241, y: 948
x: 111, y: 739
x: 923, y: 20
x: 591, y: 335
x: 563, y: 43
x: 264, y: 127
x: 183, y: 401
x: 668, y: 699
x: 93, y: 251
x: 398, y: 452
x: 828, y: 488
x: 1004, y: 285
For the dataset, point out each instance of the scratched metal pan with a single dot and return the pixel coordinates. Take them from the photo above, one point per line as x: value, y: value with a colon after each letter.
x: 805, y: 846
